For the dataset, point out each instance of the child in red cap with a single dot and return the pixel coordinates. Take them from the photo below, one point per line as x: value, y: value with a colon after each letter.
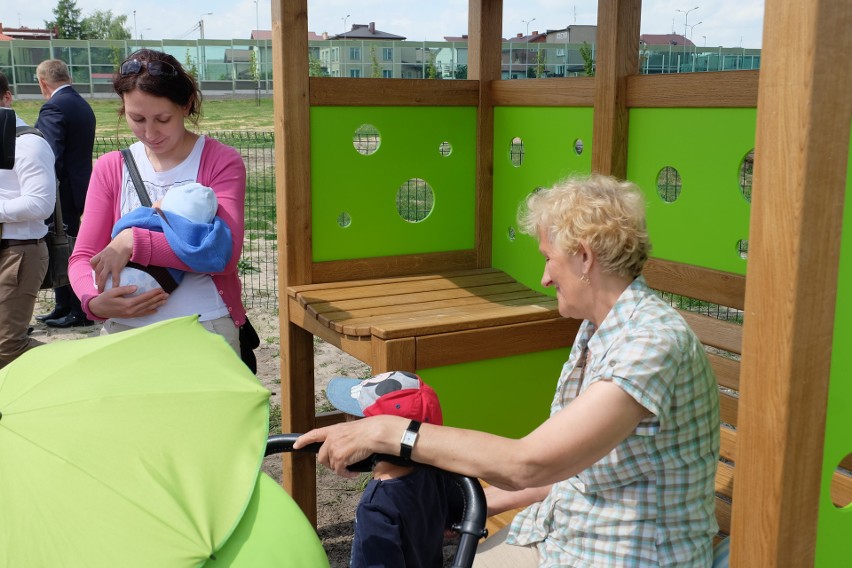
x: 404, y: 511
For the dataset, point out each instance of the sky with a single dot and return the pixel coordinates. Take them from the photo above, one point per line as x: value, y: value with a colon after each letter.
x: 727, y: 23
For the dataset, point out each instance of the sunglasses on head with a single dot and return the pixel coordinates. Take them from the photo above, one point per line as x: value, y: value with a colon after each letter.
x: 154, y: 68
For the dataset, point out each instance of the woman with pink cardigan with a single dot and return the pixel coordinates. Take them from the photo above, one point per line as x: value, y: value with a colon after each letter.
x: 158, y: 96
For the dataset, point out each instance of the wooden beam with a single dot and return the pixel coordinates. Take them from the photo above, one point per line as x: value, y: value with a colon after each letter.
x: 342, y: 91
x: 617, y: 59
x: 723, y: 89
x: 293, y: 201
x: 385, y: 266
x: 485, y: 23
x: 801, y: 151
x: 559, y: 92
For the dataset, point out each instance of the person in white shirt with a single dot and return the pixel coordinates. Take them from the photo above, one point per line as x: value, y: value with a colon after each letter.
x: 27, y: 198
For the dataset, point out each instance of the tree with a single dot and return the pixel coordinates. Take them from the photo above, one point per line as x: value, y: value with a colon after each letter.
x: 67, y: 20
x: 588, y: 60
x: 103, y: 25
x: 460, y: 72
x: 540, y: 67
x: 374, y: 59
x: 315, y: 68
x: 189, y: 65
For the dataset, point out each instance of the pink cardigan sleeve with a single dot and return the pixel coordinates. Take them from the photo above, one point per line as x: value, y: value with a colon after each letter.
x: 223, y: 170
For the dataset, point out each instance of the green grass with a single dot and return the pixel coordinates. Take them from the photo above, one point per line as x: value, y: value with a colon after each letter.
x: 217, y: 114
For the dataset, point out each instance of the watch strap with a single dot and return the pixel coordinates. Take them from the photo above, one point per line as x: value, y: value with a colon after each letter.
x: 409, y: 437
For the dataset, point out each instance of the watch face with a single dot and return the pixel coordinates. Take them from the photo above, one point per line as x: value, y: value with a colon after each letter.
x: 409, y: 438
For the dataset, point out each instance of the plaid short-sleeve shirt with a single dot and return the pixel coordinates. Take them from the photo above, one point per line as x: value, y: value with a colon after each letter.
x: 650, y: 501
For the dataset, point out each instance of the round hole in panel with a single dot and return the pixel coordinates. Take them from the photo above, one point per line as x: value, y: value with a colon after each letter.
x: 668, y: 184
x: 578, y: 146
x: 445, y: 149
x: 415, y: 200
x: 742, y: 248
x: 516, y: 152
x: 366, y: 139
x: 344, y: 219
x: 745, y: 174
x: 511, y: 234
x: 839, y: 497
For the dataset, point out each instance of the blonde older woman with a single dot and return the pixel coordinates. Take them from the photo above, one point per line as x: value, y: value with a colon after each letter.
x: 622, y: 472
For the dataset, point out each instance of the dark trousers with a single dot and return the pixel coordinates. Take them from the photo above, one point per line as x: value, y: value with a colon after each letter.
x: 66, y: 299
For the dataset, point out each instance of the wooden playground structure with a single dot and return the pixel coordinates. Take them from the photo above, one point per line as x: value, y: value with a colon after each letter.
x: 455, y: 296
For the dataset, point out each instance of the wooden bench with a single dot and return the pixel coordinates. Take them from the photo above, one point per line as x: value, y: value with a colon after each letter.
x: 430, y: 320
x: 721, y: 292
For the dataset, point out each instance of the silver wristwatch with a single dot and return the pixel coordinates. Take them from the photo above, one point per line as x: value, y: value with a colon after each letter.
x: 409, y: 437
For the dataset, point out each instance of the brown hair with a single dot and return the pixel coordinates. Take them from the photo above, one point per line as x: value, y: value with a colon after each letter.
x: 4, y: 84
x: 181, y: 89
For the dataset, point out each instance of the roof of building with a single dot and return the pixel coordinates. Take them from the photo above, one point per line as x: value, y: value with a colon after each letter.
x: 665, y: 39
x: 367, y: 31
x: 8, y: 34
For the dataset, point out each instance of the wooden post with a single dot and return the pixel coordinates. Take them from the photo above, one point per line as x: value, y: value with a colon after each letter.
x: 801, y: 150
x: 485, y: 19
x: 293, y: 201
x: 617, y: 58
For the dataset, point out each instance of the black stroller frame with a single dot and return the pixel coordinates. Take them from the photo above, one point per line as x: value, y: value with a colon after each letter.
x: 471, y: 527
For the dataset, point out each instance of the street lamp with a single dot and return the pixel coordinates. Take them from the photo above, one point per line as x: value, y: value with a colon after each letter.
x: 201, y: 44
x: 135, y: 33
x: 256, y: 16
x: 685, y: 23
x: 142, y: 35
x: 201, y: 23
x: 527, y: 22
x: 344, y: 18
x: 692, y: 29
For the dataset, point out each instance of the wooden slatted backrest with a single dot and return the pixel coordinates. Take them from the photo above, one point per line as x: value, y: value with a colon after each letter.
x: 717, y: 321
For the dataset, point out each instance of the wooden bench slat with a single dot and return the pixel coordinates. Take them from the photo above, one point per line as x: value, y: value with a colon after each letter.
x: 723, y: 288
x: 721, y: 334
x: 728, y: 408
x: 725, y: 480
x: 727, y: 371
x: 374, y: 316
x: 362, y: 289
x: 841, y: 489
x: 388, y: 304
x: 456, y: 319
x: 723, y: 516
x: 728, y: 443
x: 292, y: 291
x: 456, y: 302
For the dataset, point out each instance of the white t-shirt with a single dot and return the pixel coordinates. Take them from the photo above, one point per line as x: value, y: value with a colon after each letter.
x: 196, y: 293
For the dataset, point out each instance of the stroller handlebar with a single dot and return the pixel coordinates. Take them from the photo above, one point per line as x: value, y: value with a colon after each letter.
x: 472, y: 526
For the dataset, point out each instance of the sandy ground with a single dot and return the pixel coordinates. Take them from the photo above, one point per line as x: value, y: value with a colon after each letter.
x: 336, y: 497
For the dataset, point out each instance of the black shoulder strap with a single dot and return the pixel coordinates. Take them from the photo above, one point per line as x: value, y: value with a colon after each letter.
x: 27, y: 130
x: 137, y: 179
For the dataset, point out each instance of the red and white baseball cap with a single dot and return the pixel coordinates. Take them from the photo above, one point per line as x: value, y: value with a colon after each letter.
x: 397, y: 392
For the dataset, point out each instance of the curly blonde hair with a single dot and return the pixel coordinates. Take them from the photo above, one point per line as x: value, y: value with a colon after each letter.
x: 605, y: 213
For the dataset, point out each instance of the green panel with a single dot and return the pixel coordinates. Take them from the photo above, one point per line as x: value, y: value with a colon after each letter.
x: 548, y: 135
x: 835, y: 525
x: 365, y: 186
x: 706, y: 146
x: 509, y: 396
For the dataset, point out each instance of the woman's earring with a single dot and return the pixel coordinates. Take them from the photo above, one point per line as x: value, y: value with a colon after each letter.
x: 584, y: 278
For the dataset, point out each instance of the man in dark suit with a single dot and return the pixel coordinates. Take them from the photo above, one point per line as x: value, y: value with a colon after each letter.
x: 68, y: 124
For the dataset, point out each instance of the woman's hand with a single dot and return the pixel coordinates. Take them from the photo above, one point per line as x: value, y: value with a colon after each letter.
x: 112, y: 260
x: 115, y: 303
x: 350, y: 442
